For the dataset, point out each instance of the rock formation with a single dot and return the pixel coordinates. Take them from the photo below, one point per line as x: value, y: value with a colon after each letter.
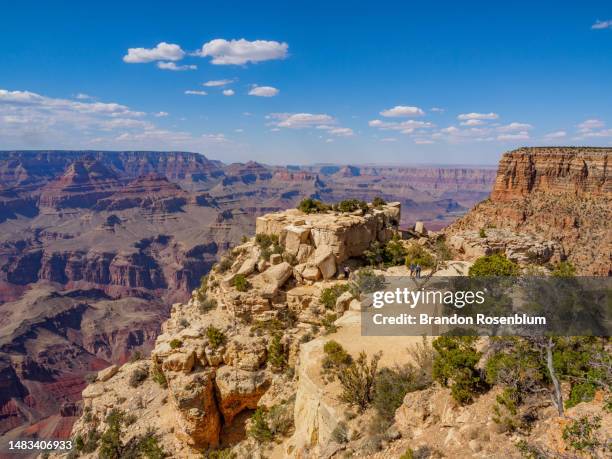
x: 563, y: 194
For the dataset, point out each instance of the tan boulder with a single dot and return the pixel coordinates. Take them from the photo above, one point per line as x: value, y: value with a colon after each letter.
x: 107, y: 373
x: 248, y: 267
x: 294, y: 237
x: 245, y: 353
x: 325, y: 260
x: 343, y: 301
x: 277, y: 275
x: 239, y: 389
x: 198, y: 421
x: 304, y: 252
x: 276, y: 259
x: 180, y: 361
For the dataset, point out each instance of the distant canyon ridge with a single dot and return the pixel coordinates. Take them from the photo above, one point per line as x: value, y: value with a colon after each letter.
x: 95, y: 247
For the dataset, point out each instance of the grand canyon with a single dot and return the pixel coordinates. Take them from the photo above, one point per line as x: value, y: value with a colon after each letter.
x: 96, y: 246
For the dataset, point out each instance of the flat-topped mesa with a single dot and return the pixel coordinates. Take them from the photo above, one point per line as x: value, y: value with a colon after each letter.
x: 553, y: 170
x: 314, y: 238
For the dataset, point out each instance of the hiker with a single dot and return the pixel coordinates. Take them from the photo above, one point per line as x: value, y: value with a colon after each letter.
x: 418, y: 271
x: 411, y: 267
x: 347, y: 272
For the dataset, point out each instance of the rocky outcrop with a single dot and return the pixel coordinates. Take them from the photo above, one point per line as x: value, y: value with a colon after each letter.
x: 558, y: 194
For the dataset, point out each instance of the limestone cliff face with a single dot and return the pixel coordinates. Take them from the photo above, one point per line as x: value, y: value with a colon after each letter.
x: 582, y: 172
x: 563, y: 194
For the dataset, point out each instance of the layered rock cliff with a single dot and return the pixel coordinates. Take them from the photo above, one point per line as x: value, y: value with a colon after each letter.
x: 563, y: 194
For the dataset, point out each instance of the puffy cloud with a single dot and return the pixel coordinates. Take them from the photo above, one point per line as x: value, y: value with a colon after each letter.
x: 590, y: 124
x: 472, y: 122
x: 176, y: 68
x: 523, y: 135
x: 162, y: 52
x: 405, y: 127
x: 191, y: 92
x: 240, y: 52
x: 228, y: 92
x: 478, y: 116
x: 301, y: 120
x: 402, y: 111
x: 437, y: 110
x: 82, y: 96
x: 514, y: 127
x: 599, y: 25
x: 555, y: 135
x: 342, y: 131
x: 215, y: 83
x: 161, y: 114
x: 263, y: 91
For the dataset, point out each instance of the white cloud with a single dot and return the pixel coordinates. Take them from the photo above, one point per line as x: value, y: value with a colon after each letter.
x: 263, y: 91
x: 478, y: 116
x: 162, y: 52
x: 523, y: 135
x: 82, y: 96
x: 161, y: 114
x: 590, y: 124
x: 514, y: 127
x: 240, y: 52
x: 300, y: 120
x: 342, y: 131
x: 472, y: 122
x: 191, y: 92
x: 437, y: 110
x: 555, y: 135
x: 405, y: 127
x: 402, y: 111
x: 599, y: 25
x: 228, y: 92
x: 176, y: 68
x: 215, y: 83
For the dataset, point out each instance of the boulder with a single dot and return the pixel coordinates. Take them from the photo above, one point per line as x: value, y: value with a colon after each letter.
x: 193, y: 397
x: 294, y: 237
x: 277, y: 275
x: 180, y: 361
x: 248, y: 267
x: 325, y: 260
x: 304, y: 252
x: 419, y: 227
x: 107, y: 373
x: 246, y: 354
x: 311, y: 273
x: 239, y: 389
x: 276, y: 259
x: 343, y: 301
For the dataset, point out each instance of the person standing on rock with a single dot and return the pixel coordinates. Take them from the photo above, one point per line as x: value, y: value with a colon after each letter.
x: 347, y: 272
x: 411, y: 267
x: 418, y: 271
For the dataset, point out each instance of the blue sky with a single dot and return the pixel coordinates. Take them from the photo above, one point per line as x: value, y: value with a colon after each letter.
x: 376, y: 82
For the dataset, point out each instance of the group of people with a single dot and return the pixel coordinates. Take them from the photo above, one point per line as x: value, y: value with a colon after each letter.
x: 415, y: 270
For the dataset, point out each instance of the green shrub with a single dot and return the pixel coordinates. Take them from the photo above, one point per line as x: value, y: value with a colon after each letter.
x: 482, y: 233
x: 378, y: 202
x: 564, y: 269
x: 136, y: 356
x: 259, y: 429
x: 581, y: 434
x: 357, y: 381
x: 416, y: 254
x: 208, y: 304
x: 331, y: 294
x: 111, y: 446
x: 391, y: 253
x: 266, y: 240
x: 442, y: 250
x: 328, y: 323
x: 158, y: 376
x: 241, y: 283
x: 176, y: 343
x: 351, y: 205
x: 224, y: 264
x: 340, y: 433
x: 88, y: 444
x: 276, y: 353
x: 366, y: 281
x: 311, y: 206
x: 216, y: 337
x: 225, y: 453
x: 455, y: 366
x: 493, y: 265
x: 335, y: 356
x: 137, y: 376
x: 390, y: 387
x: 280, y: 418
